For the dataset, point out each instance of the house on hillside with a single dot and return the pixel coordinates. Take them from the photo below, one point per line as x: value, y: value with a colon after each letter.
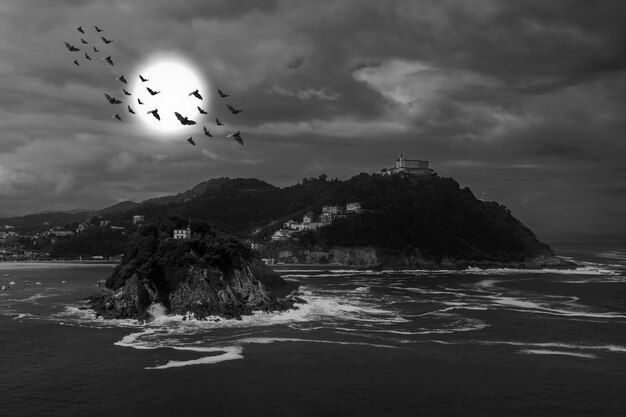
x: 182, y: 233
x: 353, y: 207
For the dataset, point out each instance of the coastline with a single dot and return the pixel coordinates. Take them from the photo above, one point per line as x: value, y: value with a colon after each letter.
x: 58, y: 264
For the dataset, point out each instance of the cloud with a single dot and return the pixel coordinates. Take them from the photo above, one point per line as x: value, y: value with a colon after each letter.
x: 521, y: 100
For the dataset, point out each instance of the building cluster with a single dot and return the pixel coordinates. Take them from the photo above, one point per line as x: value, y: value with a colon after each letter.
x: 311, y: 222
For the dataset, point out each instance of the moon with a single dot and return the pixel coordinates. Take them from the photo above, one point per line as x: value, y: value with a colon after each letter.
x: 175, y: 78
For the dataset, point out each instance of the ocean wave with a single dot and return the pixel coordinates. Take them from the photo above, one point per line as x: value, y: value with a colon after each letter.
x: 229, y: 353
x: 558, y: 352
x: 588, y: 268
x: 534, y: 307
x: 267, y: 340
x: 554, y: 345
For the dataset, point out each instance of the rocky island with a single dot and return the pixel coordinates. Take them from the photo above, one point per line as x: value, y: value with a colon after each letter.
x: 203, y: 274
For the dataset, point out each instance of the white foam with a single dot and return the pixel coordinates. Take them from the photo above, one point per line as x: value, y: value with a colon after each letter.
x: 533, y: 307
x: 230, y: 353
x: 156, y: 310
x: 267, y: 340
x: 588, y: 269
x: 558, y: 352
x: 558, y: 345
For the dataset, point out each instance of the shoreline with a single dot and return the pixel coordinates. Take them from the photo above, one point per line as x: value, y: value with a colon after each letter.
x: 63, y: 263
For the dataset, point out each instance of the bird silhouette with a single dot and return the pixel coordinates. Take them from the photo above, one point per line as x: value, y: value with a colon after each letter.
x: 196, y: 94
x: 76, y: 63
x: 155, y: 113
x: 206, y: 132
x: 130, y: 110
x: 126, y: 92
x: 202, y: 111
x: 105, y: 40
x: 112, y: 100
x: 190, y: 140
x: 217, y: 121
x: 122, y: 79
x: 71, y: 48
x: 236, y: 136
x: 98, y: 29
x: 233, y: 110
x: 84, y: 41
x: 221, y: 93
x: 87, y: 56
x: 80, y: 29
x: 108, y: 59
x: 95, y: 49
x: 184, y: 120
x: 117, y: 116
x: 139, y: 101
x: 143, y: 80
x: 152, y: 92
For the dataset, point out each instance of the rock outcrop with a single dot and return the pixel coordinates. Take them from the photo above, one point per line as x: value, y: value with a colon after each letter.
x: 208, y: 275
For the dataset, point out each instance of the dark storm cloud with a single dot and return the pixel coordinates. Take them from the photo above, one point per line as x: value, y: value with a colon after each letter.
x: 521, y: 100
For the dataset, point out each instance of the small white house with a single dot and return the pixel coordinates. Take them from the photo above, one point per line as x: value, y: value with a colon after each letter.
x: 182, y: 233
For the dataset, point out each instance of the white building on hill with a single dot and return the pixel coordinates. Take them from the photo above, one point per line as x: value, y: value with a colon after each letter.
x: 408, y: 166
x: 182, y: 233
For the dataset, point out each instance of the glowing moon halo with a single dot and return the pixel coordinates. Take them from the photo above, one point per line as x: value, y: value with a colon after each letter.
x: 174, y: 78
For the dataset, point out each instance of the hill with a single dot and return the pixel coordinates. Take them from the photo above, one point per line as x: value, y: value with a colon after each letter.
x: 120, y: 207
x: 406, y: 221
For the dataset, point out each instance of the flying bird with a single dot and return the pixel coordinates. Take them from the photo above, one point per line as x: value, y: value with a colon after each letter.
x: 95, y: 49
x: 155, y: 113
x: 105, y: 40
x: 206, y: 132
x: 117, y: 116
x: 130, y: 110
x: 84, y: 41
x: 80, y: 29
x: 221, y: 93
x: 152, y: 92
x: 236, y: 136
x: 143, y: 80
x: 71, y: 48
x: 184, y: 120
x: 98, y: 29
x: 108, y: 59
x: 218, y: 122
x: 233, y: 110
x: 196, y: 94
x: 112, y: 100
x: 126, y: 92
x: 139, y: 101
x: 122, y: 79
x: 87, y: 56
x: 190, y: 140
x: 76, y: 63
x: 202, y: 111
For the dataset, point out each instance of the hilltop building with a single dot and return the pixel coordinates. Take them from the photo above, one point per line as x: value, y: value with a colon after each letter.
x: 182, y: 233
x: 138, y: 219
x: 408, y: 166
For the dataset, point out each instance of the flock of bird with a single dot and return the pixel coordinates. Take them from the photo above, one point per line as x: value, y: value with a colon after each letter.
x: 155, y: 113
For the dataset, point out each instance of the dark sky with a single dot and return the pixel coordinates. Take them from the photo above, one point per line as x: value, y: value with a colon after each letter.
x: 521, y: 100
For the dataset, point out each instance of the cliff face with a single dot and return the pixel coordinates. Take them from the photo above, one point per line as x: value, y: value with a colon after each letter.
x: 208, y: 275
x: 368, y: 257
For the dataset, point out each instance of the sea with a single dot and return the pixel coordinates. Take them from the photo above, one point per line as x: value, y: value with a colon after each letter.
x: 495, y: 342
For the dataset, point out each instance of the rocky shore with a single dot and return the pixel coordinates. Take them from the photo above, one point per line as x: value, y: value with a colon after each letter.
x: 373, y: 257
